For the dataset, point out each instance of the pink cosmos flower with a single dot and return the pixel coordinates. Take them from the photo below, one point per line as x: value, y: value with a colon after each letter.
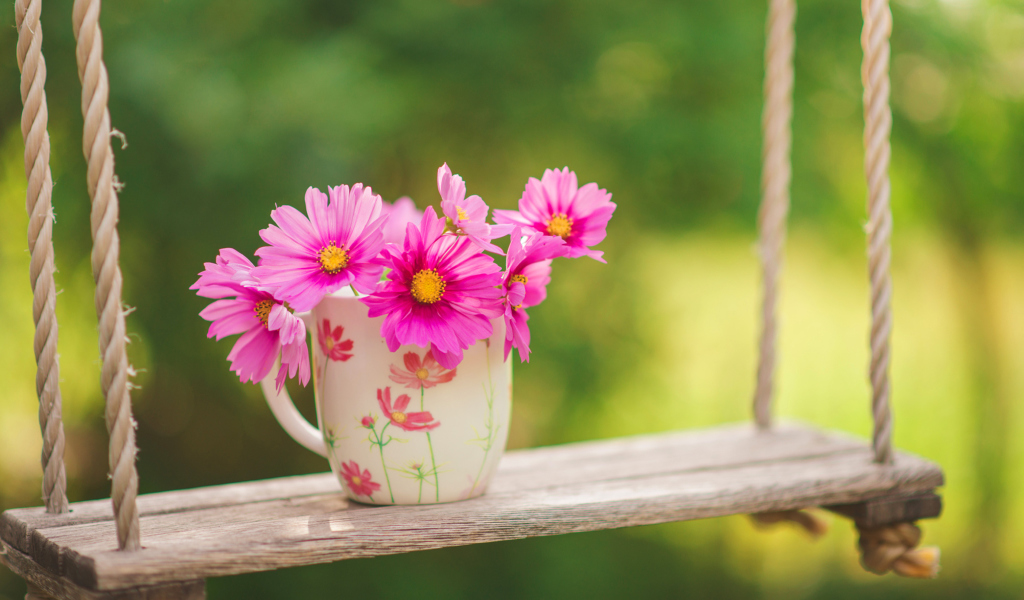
x: 467, y: 216
x: 409, y: 421
x: 334, y: 247
x: 526, y: 279
x: 368, y: 422
x: 556, y: 206
x: 418, y: 373
x: 442, y: 292
x: 400, y: 214
x: 331, y: 343
x: 359, y: 481
x: 268, y: 328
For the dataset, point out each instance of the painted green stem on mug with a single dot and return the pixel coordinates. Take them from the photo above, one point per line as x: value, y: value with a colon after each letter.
x: 487, y: 442
x: 380, y: 443
x: 433, y: 463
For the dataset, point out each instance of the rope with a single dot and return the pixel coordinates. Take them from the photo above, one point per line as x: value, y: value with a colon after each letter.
x: 105, y: 251
x: 814, y: 525
x: 776, y: 173
x: 40, y: 244
x: 877, y: 127
x: 894, y: 548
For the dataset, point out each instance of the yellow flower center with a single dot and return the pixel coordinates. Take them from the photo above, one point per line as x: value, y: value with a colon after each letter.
x: 329, y: 343
x: 462, y: 213
x: 357, y: 480
x: 262, y: 310
x: 422, y: 373
x: 427, y: 286
x: 519, y: 279
x: 398, y: 417
x: 560, y: 225
x: 333, y: 259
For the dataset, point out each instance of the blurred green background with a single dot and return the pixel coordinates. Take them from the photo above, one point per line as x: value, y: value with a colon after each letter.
x: 233, y: 106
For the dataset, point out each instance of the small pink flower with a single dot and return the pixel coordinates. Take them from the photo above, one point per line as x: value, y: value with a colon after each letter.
x: 409, y: 421
x: 421, y: 374
x: 331, y: 343
x: 556, y: 206
x: 268, y: 328
x: 359, y: 481
x: 442, y: 292
x: 468, y: 216
x: 526, y: 278
x: 400, y: 214
x: 335, y: 246
x: 368, y: 422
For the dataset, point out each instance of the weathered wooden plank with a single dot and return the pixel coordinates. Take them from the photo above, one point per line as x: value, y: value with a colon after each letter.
x: 577, y: 487
x: 577, y: 462
x: 887, y: 510
x: 319, y: 529
x: 585, y: 462
x: 15, y: 525
x: 62, y: 589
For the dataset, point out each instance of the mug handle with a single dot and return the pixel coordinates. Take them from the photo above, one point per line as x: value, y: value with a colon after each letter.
x: 288, y: 416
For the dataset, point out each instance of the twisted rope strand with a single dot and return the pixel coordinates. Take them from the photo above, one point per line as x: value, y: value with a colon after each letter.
x: 105, y: 252
x: 895, y: 548
x: 776, y: 173
x: 877, y: 128
x: 40, y: 243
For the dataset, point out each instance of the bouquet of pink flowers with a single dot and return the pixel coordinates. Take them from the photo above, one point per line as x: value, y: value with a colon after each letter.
x: 429, y: 276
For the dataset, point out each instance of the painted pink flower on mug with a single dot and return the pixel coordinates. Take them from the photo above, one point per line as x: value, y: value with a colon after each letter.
x: 359, y: 481
x: 421, y: 373
x: 396, y: 413
x: 331, y: 342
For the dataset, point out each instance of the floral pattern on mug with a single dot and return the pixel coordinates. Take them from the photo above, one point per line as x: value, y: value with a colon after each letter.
x: 408, y: 421
x: 421, y: 373
x: 331, y: 343
x: 359, y: 481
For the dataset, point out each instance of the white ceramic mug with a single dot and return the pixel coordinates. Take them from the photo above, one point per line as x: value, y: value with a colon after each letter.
x: 371, y: 404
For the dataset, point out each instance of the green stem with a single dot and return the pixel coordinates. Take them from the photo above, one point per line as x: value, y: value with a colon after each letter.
x: 433, y: 463
x: 419, y: 498
x: 354, y: 290
x: 380, y: 446
x: 385, y: 467
x: 490, y: 421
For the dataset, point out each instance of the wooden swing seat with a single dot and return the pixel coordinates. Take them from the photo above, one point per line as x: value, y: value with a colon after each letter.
x: 238, y: 528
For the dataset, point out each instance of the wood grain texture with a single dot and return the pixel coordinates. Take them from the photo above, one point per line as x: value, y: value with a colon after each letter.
x: 888, y: 510
x: 61, y: 589
x: 242, y: 528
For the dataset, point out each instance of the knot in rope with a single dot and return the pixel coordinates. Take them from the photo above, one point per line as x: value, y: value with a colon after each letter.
x: 894, y: 548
